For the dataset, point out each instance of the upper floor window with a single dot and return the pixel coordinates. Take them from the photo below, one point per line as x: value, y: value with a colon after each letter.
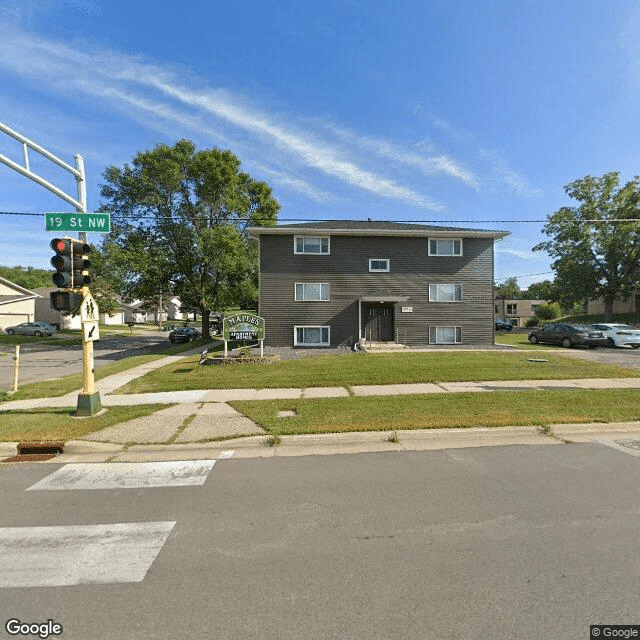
x: 512, y: 309
x: 312, y: 291
x: 445, y: 293
x: 315, y: 245
x: 445, y: 246
x: 379, y: 264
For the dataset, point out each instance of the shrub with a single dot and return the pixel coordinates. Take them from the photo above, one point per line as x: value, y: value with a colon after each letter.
x: 534, y: 321
x: 549, y: 311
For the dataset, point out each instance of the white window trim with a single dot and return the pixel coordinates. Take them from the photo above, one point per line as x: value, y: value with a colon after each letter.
x: 387, y: 270
x: 457, y: 329
x: 311, y: 344
x: 450, y: 284
x: 445, y: 255
x: 303, y: 299
x: 311, y: 253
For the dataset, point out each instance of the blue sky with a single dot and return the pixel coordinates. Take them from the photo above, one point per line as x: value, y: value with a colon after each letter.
x: 413, y: 110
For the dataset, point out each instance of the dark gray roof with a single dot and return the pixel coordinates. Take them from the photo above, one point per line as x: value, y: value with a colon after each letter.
x: 369, y: 227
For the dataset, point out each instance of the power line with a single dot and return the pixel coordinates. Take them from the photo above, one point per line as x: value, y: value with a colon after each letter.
x: 441, y: 222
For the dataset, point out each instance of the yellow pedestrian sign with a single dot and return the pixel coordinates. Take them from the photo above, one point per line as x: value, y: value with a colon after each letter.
x: 89, y: 309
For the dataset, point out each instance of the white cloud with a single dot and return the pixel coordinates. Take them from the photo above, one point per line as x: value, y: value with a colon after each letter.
x: 161, y: 94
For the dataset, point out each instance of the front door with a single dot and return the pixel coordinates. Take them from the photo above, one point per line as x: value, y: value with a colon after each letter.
x: 378, y: 321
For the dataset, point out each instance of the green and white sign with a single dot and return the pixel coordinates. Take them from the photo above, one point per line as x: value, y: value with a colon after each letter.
x: 97, y: 222
x: 243, y: 326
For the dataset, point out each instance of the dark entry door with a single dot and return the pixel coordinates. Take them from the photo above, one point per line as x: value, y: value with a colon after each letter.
x: 378, y: 321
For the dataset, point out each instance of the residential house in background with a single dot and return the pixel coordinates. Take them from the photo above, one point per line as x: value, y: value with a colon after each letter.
x: 518, y: 312
x: 630, y: 305
x: 339, y: 282
x: 17, y: 304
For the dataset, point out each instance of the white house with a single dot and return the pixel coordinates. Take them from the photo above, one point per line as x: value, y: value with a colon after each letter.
x: 17, y: 304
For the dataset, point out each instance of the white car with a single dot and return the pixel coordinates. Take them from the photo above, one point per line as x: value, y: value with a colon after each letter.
x: 619, y: 335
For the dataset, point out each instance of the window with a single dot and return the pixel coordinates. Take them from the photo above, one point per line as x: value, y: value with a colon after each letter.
x: 379, y: 264
x: 311, y: 336
x: 512, y: 309
x: 314, y: 245
x: 445, y: 247
x: 312, y: 292
x: 445, y: 335
x: 445, y: 293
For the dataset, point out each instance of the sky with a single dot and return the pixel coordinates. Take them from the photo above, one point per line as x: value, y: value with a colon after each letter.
x: 470, y: 113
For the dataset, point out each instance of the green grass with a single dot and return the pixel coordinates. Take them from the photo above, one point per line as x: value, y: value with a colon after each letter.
x: 67, y: 384
x: 363, y: 369
x: 390, y: 413
x: 49, y: 341
x: 519, y: 340
x: 46, y: 424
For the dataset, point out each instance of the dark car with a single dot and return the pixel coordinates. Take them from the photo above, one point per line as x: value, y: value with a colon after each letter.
x: 503, y: 325
x: 568, y: 335
x: 184, y: 334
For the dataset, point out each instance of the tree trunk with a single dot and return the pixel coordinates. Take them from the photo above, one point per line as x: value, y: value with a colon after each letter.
x: 608, y: 309
x: 206, y: 314
x: 160, y: 313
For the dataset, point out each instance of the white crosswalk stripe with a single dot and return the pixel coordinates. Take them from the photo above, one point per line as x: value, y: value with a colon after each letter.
x: 126, y: 475
x: 51, y: 556
x: 60, y: 556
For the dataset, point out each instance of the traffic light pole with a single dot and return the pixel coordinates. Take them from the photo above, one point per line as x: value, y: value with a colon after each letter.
x: 89, y: 400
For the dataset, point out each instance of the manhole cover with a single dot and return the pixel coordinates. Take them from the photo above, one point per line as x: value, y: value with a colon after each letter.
x: 629, y: 443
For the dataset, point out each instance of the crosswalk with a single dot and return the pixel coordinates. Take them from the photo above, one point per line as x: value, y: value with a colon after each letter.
x: 46, y: 556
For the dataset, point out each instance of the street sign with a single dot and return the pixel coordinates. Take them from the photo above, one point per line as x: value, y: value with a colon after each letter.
x: 89, y: 309
x: 98, y: 222
x: 90, y: 331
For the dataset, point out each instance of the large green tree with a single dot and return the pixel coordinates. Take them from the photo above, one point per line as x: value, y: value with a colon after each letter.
x: 596, y: 244
x: 179, y: 227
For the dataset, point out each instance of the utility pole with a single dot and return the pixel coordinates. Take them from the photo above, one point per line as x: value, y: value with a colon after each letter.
x: 89, y: 400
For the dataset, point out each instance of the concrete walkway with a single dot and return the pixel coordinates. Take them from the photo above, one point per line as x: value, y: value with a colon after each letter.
x: 201, y: 424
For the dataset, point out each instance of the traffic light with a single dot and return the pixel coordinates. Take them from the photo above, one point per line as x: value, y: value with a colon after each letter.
x: 65, y: 300
x: 71, y: 263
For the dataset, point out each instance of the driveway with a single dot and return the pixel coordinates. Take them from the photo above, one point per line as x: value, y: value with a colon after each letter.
x: 622, y: 356
x: 44, y: 360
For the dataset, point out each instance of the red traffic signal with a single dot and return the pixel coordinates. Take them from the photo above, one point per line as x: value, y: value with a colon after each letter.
x: 71, y: 263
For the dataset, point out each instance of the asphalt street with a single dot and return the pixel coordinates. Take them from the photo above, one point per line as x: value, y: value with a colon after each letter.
x: 494, y: 542
x: 44, y: 360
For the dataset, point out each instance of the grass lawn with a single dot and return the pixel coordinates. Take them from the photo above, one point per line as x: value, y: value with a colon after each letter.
x: 59, y: 424
x: 373, y: 368
x: 67, y: 384
x: 494, y: 409
x: 519, y: 340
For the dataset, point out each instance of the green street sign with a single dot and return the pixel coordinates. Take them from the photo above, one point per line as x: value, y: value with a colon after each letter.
x: 97, y: 222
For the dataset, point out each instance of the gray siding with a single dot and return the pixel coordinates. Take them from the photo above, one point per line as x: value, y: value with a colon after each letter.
x: 346, y: 269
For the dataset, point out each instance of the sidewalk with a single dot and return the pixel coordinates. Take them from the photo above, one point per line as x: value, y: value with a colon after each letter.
x: 178, y: 432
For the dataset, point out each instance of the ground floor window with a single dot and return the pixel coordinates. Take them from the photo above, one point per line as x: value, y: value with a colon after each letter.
x: 311, y: 336
x: 445, y: 335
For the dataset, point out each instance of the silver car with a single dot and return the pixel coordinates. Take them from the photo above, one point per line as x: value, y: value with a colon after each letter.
x: 31, y: 329
x: 619, y: 335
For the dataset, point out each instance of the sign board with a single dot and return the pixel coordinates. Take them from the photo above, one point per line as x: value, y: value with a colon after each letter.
x: 89, y: 309
x: 407, y: 309
x: 90, y: 331
x: 243, y: 326
x: 98, y: 222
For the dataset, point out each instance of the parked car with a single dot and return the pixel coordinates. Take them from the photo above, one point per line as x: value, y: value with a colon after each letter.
x: 619, y: 335
x: 503, y: 325
x: 32, y: 329
x: 184, y: 334
x: 568, y: 335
